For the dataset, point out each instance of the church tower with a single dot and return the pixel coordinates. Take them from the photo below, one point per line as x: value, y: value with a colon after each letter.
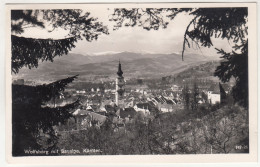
x: 120, y: 83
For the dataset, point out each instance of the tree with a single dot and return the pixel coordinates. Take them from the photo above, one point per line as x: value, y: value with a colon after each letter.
x: 26, y: 52
x: 207, y: 23
x: 236, y: 65
x: 186, y: 97
x: 32, y: 119
x: 195, y: 95
x: 140, y: 81
x: 224, y: 133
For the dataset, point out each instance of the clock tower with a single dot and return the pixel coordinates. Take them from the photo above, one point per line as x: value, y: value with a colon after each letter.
x: 120, y: 83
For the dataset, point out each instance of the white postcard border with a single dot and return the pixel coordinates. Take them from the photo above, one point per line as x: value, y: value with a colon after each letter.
x: 147, y: 159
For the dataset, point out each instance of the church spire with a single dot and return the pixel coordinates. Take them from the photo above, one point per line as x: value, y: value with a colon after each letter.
x: 119, y: 84
x: 119, y: 72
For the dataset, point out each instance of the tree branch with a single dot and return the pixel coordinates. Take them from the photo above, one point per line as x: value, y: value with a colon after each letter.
x: 185, y: 34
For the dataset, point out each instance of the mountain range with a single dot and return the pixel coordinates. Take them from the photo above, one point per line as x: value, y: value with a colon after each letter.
x: 133, y: 65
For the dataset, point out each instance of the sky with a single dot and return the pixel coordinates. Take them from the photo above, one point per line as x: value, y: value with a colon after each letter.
x: 133, y: 39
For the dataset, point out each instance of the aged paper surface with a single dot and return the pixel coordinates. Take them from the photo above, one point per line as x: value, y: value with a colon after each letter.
x: 125, y: 159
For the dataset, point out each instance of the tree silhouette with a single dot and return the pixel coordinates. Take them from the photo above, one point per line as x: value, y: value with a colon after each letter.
x: 195, y: 97
x: 236, y: 65
x: 207, y: 23
x: 32, y: 118
x: 26, y: 52
x: 186, y: 97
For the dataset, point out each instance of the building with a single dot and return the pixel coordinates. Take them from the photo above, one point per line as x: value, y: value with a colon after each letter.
x: 120, y: 83
x: 143, y: 108
x: 175, y: 88
x: 85, y: 119
x: 216, y: 94
x: 213, y: 96
x: 126, y: 114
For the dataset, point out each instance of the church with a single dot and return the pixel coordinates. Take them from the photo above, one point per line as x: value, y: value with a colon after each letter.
x: 120, y: 87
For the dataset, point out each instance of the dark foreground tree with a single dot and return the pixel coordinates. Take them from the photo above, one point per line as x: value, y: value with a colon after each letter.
x: 207, y: 23
x: 32, y: 118
x: 195, y: 97
x: 186, y: 97
x: 236, y: 65
x: 27, y: 52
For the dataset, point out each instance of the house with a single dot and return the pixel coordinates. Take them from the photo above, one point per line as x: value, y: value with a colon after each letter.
x: 120, y: 128
x: 95, y: 108
x: 109, y: 109
x: 165, y: 107
x: 117, y: 120
x: 95, y: 99
x: 102, y: 109
x: 85, y: 119
x: 157, y: 100
x: 216, y: 94
x: 170, y: 102
x: 82, y: 119
x: 97, y: 119
x: 130, y: 103
x: 175, y: 88
x: 126, y: 114
x: 201, y: 101
x: 80, y: 91
x: 89, y: 107
x: 213, y: 96
x: 154, y: 101
x: 162, y: 99
x: 143, y: 108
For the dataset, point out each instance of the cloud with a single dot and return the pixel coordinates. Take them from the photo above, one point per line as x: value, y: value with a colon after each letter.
x: 133, y: 39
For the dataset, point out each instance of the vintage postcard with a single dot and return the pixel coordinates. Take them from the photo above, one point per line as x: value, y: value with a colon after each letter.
x: 131, y: 83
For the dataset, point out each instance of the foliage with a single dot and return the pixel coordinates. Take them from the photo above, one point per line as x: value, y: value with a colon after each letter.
x: 40, y: 49
x: 195, y: 96
x: 207, y: 23
x: 186, y: 97
x: 236, y: 65
x: 28, y: 51
x: 133, y: 17
x: 216, y: 131
x: 32, y: 119
x: 223, y: 132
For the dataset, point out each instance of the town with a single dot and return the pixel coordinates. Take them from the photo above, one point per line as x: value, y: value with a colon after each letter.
x: 120, y: 101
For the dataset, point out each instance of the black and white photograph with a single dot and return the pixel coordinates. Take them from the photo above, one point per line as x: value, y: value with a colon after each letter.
x: 131, y: 79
